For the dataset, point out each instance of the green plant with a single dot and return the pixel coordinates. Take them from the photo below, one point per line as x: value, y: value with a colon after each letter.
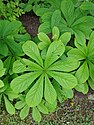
x: 85, y: 73
x: 10, y: 10
x: 10, y: 40
x: 6, y: 93
x: 43, y: 79
x: 68, y: 18
x: 88, y: 6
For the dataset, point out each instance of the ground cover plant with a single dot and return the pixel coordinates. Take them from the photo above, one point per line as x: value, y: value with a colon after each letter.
x: 37, y: 73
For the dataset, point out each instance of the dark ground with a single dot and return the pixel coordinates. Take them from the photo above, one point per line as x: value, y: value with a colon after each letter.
x: 76, y: 111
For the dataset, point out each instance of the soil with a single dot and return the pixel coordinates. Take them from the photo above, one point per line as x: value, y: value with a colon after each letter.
x: 30, y: 22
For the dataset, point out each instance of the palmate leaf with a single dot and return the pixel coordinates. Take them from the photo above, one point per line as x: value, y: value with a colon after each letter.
x: 29, y: 49
x: 66, y: 80
x: 54, y: 52
x: 49, y: 91
x: 21, y: 83
x: 35, y: 94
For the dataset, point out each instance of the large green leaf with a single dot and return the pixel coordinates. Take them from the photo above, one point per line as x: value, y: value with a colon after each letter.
x: 55, y: 50
x: 67, y: 65
x: 29, y: 49
x: 67, y: 8
x: 21, y: 83
x: 35, y: 94
x: 49, y: 92
x: 82, y: 73
x: 9, y: 107
x: 66, y: 80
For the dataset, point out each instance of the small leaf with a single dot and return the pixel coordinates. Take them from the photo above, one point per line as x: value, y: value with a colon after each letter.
x: 55, y: 33
x: 45, y: 27
x: 51, y: 107
x: 36, y: 114
x: 55, y: 50
x: 65, y: 37
x: 29, y: 49
x: 68, y: 93
x: 49, y: 92
x: 82, y: 73
x: 42, y: 108
x: 35, y: 94
x: 43, y: 37
x: 20, y: 104
x: 45, y: 41
x: 24, y: 112
x: 82, y: 88
x: 9, y: 107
